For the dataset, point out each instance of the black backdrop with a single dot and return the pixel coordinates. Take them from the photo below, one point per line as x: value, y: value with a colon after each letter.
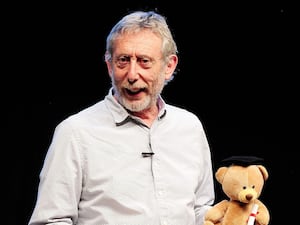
x: 237, y: 72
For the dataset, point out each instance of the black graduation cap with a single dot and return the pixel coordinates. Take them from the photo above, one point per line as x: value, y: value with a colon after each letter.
x: 242, y: 160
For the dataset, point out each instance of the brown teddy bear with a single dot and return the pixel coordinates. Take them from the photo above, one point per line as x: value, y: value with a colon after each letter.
x: 242, y: 182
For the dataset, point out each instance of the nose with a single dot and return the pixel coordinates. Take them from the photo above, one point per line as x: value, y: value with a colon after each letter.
x: 132, y: 74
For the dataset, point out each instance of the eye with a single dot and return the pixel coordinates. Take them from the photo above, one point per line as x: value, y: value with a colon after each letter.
x: 122, y: 61
x: 145, y: 62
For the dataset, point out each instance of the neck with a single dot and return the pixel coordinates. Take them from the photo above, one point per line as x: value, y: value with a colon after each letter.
x: 147, y: 115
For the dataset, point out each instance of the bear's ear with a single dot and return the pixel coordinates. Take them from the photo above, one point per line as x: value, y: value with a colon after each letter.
x: 221, y: 173
x: 263, y: 171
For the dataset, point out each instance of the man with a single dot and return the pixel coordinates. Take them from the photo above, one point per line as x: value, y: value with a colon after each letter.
x: 131, y: 158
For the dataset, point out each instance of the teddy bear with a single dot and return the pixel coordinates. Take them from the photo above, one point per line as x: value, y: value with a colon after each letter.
x: 242, y: 181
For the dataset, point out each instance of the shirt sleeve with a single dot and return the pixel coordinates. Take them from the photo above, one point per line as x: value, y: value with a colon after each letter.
x: 60, y: 180
x: 205, y: 194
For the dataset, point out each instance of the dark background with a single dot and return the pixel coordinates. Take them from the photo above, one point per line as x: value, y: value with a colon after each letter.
x: 237, y: 72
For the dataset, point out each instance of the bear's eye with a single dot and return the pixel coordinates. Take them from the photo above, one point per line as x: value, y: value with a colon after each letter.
x: 244, y: 187
x: 253, y: 186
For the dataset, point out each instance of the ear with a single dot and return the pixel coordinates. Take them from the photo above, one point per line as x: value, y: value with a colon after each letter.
x: 108, y: 65
x: 109, y: 68
x: 171, y: 66
x: 263, y: 171
x: 221, y: 173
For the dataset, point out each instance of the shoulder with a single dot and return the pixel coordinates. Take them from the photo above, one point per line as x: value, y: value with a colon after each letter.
x: 182, y: 112
x: 85, y: 116
x: 183, y: 115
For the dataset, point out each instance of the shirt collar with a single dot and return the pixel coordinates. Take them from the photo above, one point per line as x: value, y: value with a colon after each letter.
x: 119, y: 113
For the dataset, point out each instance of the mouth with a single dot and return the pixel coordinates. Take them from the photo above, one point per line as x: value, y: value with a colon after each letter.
x: 134, y: 92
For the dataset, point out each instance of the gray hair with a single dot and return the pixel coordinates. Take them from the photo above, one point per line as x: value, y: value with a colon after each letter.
x: 139, y: 20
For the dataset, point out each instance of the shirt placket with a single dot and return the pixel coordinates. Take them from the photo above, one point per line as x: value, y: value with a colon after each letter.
x: 159, y: 184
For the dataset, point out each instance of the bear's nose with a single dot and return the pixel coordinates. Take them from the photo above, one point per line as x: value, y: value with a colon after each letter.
x: 249, y: 197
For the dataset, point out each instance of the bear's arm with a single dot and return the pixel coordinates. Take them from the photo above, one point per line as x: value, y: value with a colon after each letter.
x: 217, y: 212
x: 263, y: 216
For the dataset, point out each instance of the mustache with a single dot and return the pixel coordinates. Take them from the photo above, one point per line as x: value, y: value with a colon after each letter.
x: 134, y: 87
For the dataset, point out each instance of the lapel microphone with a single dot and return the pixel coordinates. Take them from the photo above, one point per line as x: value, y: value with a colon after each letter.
x: 147, y: 154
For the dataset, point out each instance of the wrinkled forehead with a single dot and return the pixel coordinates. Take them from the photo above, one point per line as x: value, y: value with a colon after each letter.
x: 144, y: 42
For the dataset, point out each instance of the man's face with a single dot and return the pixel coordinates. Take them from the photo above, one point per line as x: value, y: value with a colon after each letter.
x: 137, y: 70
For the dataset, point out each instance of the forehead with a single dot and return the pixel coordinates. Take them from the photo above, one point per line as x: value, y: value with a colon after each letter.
x: 143, y: 42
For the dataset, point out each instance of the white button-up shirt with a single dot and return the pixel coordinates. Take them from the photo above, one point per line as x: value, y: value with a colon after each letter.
x: 95, y: 173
